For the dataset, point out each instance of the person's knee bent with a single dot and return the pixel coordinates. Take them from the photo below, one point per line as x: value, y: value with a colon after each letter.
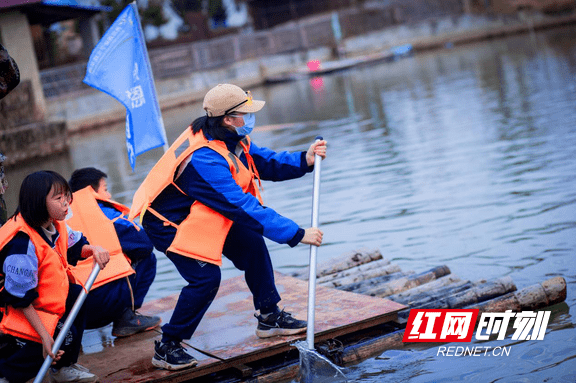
x: 201, y: 276
x: 210, y: 280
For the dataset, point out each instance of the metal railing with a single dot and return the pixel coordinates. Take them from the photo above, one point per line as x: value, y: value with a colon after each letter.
x: 307, y: 33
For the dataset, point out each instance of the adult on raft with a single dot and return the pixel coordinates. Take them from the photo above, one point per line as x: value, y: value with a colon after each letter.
x: 205, y: 202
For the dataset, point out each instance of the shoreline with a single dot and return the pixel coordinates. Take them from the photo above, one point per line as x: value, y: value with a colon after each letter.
x: 90, y: 110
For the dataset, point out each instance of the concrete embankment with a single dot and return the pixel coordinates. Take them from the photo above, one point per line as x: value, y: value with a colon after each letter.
x: 90, y: 109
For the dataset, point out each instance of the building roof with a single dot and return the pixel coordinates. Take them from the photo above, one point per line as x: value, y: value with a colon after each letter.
x: 51, y: 11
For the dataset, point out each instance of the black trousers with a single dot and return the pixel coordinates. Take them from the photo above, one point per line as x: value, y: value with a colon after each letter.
x: 107, y: 303
x: 248, y: 251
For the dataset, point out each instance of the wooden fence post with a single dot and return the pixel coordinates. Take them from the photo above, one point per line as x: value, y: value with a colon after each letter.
x: 237, y: 52
x: 303, y: 38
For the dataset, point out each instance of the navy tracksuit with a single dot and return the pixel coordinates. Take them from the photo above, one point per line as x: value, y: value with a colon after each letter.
x: 207, y: 178
x: 107, y: 302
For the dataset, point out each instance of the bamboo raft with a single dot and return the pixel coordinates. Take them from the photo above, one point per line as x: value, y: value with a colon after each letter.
x: 363, y: 301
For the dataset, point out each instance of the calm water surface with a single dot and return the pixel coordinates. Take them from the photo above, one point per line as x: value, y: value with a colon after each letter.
x: 463, y: 157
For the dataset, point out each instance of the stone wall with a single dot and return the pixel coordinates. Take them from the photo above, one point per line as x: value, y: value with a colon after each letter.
x: 17, y: 107
x: 22, y: 135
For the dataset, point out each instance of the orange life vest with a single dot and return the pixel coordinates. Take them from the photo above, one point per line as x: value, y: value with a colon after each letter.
x: 53, y: 280
x: 202, y: 234
x: 89, y: 218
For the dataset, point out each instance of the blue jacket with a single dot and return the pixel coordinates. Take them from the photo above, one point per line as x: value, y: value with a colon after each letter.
x: 207, y: 178
x: 135, y: 243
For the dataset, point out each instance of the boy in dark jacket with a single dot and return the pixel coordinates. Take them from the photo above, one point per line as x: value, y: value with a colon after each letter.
x: 116, y: 301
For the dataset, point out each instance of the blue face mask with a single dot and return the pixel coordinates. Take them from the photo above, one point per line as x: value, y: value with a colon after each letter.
x: 246, y: 129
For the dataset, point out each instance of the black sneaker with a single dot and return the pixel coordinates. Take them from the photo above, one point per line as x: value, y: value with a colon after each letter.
x: 171, y: 356
x: 132, y: 322
x: 279, y: 323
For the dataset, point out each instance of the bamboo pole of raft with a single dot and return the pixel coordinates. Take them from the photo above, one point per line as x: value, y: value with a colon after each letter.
x: 437, y: 285
x: 362, y: 287
x: 354, y: 271
x: 352, y: 259
x: 474, y: 294
x: 434, y: 294
x: 359, y: 276
x: 406, y: 283
x: 470, y: 292
x: 533, y: 297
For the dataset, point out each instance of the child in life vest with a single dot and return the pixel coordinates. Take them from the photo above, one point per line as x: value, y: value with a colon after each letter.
x: 119, y: 291
x: 38, y: 292
x: 204, y: 201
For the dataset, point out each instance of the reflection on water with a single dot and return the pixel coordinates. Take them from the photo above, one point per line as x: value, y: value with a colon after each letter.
x: 463, y: 157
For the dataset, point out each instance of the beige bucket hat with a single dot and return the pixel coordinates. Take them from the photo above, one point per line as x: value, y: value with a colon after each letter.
x: 227, y: 98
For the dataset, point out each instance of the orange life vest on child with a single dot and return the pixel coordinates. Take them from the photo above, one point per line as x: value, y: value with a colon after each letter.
x: 53, y: 280
x: 88, y: 217
x: 202, y: 234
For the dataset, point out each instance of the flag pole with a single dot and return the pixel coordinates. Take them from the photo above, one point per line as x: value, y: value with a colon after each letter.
x: 149, y: 67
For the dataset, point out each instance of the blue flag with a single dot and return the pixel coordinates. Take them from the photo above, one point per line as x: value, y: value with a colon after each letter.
x: 119, y: 66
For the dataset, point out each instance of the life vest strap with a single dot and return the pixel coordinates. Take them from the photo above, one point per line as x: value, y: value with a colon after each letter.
x: 132, y: 222
x: 254, y: 171
x: 131, y: 293
x: 162, y: 218
x: 2, y: 305
x: 178, y: 188
x: 72, y: 278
